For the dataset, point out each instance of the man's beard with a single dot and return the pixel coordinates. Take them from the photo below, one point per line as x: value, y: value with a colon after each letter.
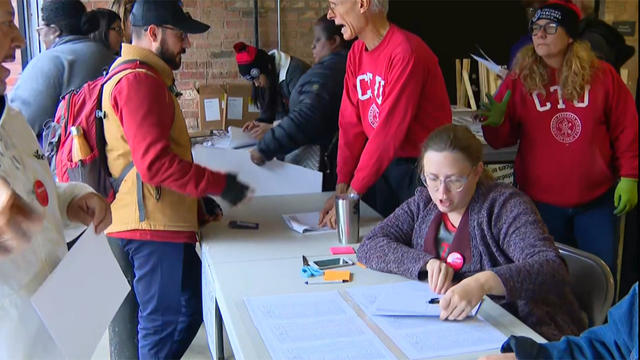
x: 173, y: 60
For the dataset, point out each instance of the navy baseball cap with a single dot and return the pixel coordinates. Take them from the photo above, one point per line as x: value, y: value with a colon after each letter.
x: 165, y: 12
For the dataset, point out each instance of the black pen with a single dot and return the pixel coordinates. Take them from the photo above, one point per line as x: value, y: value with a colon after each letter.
x: 434, y: 301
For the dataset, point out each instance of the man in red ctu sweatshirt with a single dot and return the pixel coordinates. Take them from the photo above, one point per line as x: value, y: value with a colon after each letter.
x: 394, y: 96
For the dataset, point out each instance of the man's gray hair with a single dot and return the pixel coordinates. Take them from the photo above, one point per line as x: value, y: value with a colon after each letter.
x: 379, y: 6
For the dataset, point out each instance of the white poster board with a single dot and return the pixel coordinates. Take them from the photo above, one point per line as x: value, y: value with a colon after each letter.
x: 273, y: 178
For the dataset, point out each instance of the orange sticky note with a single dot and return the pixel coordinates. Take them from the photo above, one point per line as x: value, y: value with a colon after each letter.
x: 337, y: 275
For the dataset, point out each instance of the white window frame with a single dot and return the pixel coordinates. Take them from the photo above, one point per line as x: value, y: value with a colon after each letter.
x: 29, y: 20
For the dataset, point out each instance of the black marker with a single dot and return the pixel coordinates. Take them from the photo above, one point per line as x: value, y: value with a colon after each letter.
x: 434, y: 301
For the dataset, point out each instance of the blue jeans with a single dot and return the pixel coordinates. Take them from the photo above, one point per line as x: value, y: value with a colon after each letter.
x: 591, y: 227
x: 167, y: 283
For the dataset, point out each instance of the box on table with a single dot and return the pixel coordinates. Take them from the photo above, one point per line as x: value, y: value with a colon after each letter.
x: 238, y: 107
x: 211, y: 103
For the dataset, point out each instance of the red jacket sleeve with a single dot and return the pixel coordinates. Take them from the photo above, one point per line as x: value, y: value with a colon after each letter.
x: 508, y: 133
x: 622, y: 118
x: 146, y: 111
x: 351, y: 137
x: 402, y: 95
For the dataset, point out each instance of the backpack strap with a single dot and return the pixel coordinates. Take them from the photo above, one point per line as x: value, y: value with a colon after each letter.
x: 100, y: 115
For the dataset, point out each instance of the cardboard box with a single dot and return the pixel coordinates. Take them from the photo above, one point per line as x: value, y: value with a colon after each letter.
x: 211, y: 102
x: 238, y: 107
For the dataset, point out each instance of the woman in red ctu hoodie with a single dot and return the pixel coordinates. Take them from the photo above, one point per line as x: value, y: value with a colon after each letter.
x: 578, y: 131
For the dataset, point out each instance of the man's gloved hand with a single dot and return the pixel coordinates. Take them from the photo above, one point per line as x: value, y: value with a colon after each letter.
x: 626, y: 196
x: 494, y: 111
x: 234, y: 191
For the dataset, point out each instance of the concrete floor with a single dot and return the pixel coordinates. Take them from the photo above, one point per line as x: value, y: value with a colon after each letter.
x: 199, y: 349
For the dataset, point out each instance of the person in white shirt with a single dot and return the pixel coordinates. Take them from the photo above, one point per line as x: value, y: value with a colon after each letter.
x: 33, y: 212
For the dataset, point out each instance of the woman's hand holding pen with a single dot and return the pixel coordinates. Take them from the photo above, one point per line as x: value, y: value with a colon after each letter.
x: 461, y: 298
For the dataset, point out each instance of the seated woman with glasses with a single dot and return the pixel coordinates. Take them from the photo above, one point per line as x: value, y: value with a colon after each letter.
x: 110, y: 33
x: 470, y: 236
x: 273, y: 77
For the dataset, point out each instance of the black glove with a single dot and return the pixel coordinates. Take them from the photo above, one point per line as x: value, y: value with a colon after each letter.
x: 211, y: 207
x: 234, y: 191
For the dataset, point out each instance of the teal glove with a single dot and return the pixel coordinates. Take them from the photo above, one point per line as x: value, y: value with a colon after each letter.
x: 626, y: 196
x: 494, y: 111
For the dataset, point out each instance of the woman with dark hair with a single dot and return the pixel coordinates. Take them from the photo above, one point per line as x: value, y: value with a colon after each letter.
x: 307, y: 135
x: 110, y: 33
x: 71, y: 59
x: 469, y: 236
x: 577, y: 127
x: 273, y: 75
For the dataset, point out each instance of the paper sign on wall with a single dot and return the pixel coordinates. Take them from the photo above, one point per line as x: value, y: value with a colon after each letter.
x: 212, y: 109
x: 252, y: 107
x: 234, y: 109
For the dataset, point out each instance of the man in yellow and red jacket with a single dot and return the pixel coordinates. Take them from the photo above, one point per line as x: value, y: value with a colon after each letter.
x: 155, y: 212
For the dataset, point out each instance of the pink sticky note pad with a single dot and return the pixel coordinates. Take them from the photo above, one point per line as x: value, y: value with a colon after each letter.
x: 337, y: 250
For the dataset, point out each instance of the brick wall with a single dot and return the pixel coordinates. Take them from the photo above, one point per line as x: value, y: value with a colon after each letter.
x: 211, y: 56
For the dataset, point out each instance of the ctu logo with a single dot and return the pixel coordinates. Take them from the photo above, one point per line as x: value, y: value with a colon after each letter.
x: 561, y: 105
x: 363, y: 83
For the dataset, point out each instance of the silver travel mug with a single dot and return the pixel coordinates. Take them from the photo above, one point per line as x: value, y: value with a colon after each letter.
x: 348, y: 218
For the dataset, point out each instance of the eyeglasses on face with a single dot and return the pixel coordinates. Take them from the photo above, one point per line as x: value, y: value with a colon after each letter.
x: 43, y: 27
x: 451, y: 183
x: 550, y: 28
x: 183, y: 35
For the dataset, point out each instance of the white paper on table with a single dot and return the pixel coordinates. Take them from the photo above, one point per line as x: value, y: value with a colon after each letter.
x: 239, y: 138
x: 81, y: 296
x: 313, y: 326
x: 273, y: 178
x: 409, y: 299
x: 305, y: 223
x: 427, y: 336
x: 234, y: 108
x: 212, y: 109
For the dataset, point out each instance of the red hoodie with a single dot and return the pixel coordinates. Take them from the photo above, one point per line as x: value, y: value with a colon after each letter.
x: 570, y: 152
x: 394, y: 96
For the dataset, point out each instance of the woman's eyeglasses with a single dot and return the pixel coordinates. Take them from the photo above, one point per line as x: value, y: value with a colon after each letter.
x: 451, y: 183
x: 550, y: 28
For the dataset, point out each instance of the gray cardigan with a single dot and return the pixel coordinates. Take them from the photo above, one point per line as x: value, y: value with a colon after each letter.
x: 68, y: 64
x: 507, y: 237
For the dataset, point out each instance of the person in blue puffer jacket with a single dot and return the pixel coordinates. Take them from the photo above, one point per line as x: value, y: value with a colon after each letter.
x: 617, y: 339
x: 307, y: 136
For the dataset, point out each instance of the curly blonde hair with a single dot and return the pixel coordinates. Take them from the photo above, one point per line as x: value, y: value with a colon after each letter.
x: 575, y: 74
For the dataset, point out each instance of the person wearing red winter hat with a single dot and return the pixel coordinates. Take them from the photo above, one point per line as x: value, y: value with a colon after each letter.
x: 273, y: 75
x: 577, y: 127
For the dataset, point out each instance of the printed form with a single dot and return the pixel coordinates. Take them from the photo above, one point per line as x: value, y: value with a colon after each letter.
x: 313, y: 326
x: 426, y: 336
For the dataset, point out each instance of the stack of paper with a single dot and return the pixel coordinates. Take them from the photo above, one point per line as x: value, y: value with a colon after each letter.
x: 305, y: 223
x: 233, y: 138
x: 313, y: 326
x: 410, y: 299
x: 422, y: 337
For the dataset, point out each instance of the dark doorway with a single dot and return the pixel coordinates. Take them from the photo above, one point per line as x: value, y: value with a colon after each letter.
x: 451, y: 28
